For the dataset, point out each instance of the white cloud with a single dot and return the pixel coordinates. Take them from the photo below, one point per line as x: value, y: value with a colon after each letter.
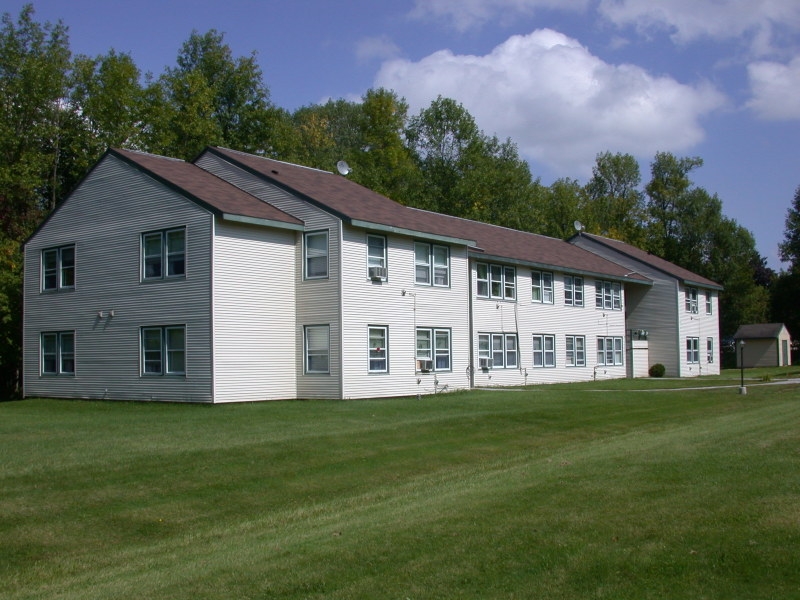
x: 467, y: 14
x: 687, y: 20
x: 380, y: 47
x: 776, y: 89
x: 558, y: 102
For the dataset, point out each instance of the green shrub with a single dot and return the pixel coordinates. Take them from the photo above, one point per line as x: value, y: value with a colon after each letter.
x: 657, y: 370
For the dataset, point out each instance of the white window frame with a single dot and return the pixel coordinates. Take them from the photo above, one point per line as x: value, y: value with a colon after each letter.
x: 168, y: 357
x: 573, y: 290
x: 693, y: 350
x: 691, y: 300
x: 709, y: 302
x: 501, y: 348
x: 377, y: 259
x: 710, y: 350
x: 378, y: 340
x: 431, y: 264
x: 437, y: 349
x: 58, y: 348
x: 542, y: 287
x: 171, y: 260
x: 496, y: 281
x: 610, y: 351
x: 544, y: 351
x: 316, y: 253
x: 608, y: 295
x: 317, y: 346
x: 576, y: 350
x: 60, y: 274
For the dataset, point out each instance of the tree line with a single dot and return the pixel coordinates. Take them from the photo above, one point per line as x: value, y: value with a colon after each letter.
x: 60, y: 113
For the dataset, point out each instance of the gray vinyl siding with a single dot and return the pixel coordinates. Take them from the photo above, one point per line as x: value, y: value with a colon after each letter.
x: 254, y: 313
x: 371, y: 303
x: 317, y: 301
x: 105, y: 218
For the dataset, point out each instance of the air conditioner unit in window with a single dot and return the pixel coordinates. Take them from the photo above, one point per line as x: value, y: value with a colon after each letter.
x: 426, y: 366
x: 377, y: 273
x: 485, y: 363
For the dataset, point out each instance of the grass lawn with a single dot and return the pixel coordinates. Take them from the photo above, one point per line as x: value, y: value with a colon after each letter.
x: 608, y: 490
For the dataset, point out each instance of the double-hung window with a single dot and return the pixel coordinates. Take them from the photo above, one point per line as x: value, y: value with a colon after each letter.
x: 710, y: 350
x: 496, y: 281
x: 498, y: 350
x: 608, y: 295
x: 164, y: 254
x: 58, y: 268
x: 691, y: 300
x: 544, y: 351
x: 542, y: 287
x: 58, y: 353
x: 315, y: 249
x: 378, y: 349
x: 573, y: 290
x: 376, y: 257
x: 709, y: 302
x: 432, y: 264
x: 692, y: 350
x: 164, y: 350
x: 433, y: 349
x: 317, y: 348
x: 576, y: 351
x: 609, y: 351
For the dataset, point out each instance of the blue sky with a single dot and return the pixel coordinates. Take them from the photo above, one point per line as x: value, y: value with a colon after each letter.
x: 564, y: 79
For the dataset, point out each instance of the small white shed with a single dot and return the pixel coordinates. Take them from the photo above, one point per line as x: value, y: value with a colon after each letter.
x: 765, y: 345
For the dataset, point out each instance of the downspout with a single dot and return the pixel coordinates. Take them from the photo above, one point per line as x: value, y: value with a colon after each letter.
x: 341, y: 308
x: 470, y: 366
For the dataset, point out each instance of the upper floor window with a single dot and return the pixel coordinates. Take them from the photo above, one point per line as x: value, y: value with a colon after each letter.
x: 317, y: 348
x: 573, y: 290
x: 164, y: 350
x: 433, y: 349
x: 432, y: 264
x: 709, y: 303
x: 691, y: 300
x: 376, y: 257
x: 542, y: 287
x: 316, y: 254
x: 58, y: 353
x: 496, y: 281
x: 608, y: 295
x: 164, y: 254
x: 378, y: 349
x: 58, y: 268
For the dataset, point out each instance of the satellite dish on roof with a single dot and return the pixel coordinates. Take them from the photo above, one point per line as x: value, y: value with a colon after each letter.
x: 343, y: 168
x: 578, y: 226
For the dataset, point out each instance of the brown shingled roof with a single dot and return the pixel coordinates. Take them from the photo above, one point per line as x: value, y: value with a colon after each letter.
x: 654, y: 261
x: 208, y: 190
x: 355, y: 203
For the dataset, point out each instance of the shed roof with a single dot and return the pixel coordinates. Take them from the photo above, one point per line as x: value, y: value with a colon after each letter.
x: 363, y: 207
x: 653, y: 261
x: 208, y: 190
x: 759, y: 331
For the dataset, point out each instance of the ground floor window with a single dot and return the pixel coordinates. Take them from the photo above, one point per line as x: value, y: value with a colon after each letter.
x: 378, y: 349
x: 710, y: 350
x: 317, y: 348
x: 692, y: 350
x: 58, y: 353
x: 498, y: 350
x: 164, y: 350
x: 433, y: 349
x: 544, y: 351
x: 609, y: 351
x: 576, y: 351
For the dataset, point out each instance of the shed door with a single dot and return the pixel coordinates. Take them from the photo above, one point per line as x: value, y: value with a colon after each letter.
x: 784, y: 358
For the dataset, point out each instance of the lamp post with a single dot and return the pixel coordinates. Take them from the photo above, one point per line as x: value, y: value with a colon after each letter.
x: 742, y: 389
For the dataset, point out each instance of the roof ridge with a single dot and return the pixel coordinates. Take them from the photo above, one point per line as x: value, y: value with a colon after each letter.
x: 275, y: 160
x: 151, y: 154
